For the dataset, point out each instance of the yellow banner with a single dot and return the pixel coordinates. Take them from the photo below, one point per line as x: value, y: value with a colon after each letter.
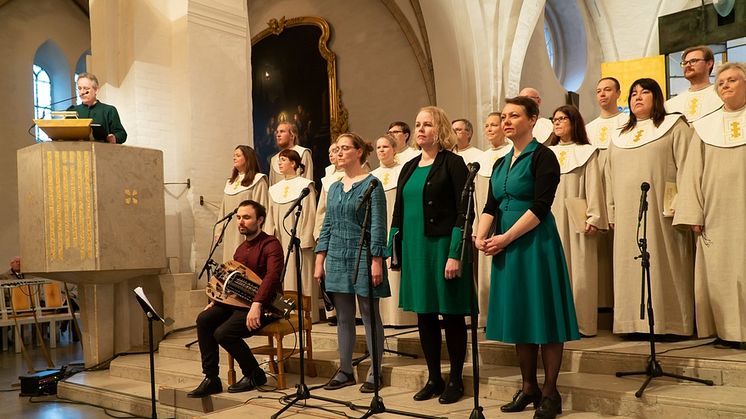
x: 629, y: 71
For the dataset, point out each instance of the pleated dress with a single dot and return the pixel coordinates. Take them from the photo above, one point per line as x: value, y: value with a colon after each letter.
x: 530, y: 295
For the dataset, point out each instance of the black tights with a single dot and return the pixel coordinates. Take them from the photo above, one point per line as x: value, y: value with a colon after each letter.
x: 431, y: 339
x: 551, y: 356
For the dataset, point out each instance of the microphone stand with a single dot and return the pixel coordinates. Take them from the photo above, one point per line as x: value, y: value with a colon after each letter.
x: 467, y: 257
x: 302, y: 392
x: 210, y: 264
x: 653, y: 369
x: 376, y: 404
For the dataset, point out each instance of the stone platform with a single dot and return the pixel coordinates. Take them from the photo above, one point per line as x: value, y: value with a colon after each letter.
x: 588, y: 385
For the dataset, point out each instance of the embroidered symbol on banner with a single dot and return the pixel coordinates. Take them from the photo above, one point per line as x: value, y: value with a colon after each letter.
x: 735, y: 130
x: 285, y: 191
x: 130, y: 197
x: 693, y: 104
x: 602, y: 136
x: 386, y: 178
x: 638, y: 136
x: 562, y: 158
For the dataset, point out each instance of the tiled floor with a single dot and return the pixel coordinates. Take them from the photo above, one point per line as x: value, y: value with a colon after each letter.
x: 12, y: 366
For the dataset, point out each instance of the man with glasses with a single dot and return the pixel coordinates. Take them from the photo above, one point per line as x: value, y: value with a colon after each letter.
x: 464, y: 131
x: 701, y: 99
x: 544, y: 127
x: 400, y: 131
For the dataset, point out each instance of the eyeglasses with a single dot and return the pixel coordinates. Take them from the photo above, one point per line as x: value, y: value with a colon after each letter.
x: 560, y: 119
x: 691, y: 61
x: 394, y: 131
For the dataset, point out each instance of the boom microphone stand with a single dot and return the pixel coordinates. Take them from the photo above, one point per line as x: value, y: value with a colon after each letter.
x: 210, y: 263
x: 302, y: 393
x: 467, y: 258
x: 654, y: 369
x: 376, y: 404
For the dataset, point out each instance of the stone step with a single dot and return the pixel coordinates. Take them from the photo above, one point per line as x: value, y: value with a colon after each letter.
x: 582, y: 391
x: 118, y: 394
x: 604, y: 354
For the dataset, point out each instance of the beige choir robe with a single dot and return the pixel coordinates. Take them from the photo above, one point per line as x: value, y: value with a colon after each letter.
x: 543, y: 129
x: 581, y: 179
x: 406, y: 155
x: 653, y: 155
x: 713, y: 195
x: 600, y: 132
x: 469, y: 154
x: 391, y: 314
x: 695, y: 105
x: 281, y: 197
x: 326, y: 183
x: 233, y: 194
x: 481, y: 189
x: 305, y: 158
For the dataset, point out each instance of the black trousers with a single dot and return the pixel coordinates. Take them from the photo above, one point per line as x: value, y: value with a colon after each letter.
x: 225, y: 326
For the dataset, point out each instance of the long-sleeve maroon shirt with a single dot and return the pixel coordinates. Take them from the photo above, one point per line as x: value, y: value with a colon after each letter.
x: 263, y: 255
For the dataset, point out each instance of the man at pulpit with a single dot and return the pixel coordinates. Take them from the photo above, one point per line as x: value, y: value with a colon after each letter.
x: 228, y: 326
x: 102, y: 114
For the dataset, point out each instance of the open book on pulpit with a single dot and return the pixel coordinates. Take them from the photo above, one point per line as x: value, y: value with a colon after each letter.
x: 68, y: 127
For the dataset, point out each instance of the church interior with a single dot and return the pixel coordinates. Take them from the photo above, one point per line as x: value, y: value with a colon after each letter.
x: 193, y: 79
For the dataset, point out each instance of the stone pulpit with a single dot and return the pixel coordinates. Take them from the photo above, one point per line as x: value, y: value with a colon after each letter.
x: 93, y: 214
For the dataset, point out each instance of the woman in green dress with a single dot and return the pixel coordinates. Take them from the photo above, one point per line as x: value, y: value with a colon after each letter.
x: 531, y: 301
x: 428, y: 217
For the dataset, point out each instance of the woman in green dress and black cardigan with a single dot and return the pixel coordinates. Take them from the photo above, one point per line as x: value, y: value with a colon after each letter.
x: 428, y: 217
x: 531, y: 301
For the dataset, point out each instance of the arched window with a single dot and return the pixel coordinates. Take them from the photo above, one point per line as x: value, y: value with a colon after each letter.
x: 42, y: 98
x: 549, y: 41
x: 564, y: 26
x: 51, y: 82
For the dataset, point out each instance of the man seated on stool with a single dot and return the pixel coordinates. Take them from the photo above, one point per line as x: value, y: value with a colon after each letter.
x: 227, y: 326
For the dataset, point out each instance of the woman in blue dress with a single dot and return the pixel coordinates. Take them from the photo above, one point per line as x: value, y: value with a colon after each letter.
x: 336, y: 255
x: 531, y: 301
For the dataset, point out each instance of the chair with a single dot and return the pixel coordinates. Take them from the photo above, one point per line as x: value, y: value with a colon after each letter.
x: 275, y: 332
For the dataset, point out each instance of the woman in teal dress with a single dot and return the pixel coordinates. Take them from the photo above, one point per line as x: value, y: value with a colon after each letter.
x: 428, y: 216
x: 336, y: 256
x: 531, y: 301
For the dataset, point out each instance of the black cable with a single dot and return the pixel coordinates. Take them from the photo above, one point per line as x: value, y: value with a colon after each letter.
x: 105, y: 409
x: 687, y: 347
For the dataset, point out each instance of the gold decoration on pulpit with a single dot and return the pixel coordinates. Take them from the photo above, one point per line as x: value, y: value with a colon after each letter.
x: 131, y: 197
x: 562, y: 158
x: 338, y: 114
x: 70, y: 205
x: 693, y: 105
x: 638, y: 135
x: 603, y: 135
x: 285, y: 191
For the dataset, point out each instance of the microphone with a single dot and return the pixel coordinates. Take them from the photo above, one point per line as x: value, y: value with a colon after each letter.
x: 644, y: 187
x: 304, y: 193
x: 62, y: 101
x: 473, y: 169
x: 228, y: 216
x: 367, y: 194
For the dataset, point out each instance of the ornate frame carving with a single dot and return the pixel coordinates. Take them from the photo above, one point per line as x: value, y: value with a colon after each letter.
x: 338, y: 114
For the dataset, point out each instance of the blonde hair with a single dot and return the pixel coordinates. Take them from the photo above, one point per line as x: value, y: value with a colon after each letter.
x: 445, y: 136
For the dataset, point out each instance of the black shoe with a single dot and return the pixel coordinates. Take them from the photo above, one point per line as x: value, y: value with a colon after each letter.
x: 452, y: 393
x: 332, y: 321
x: 258, y: 378
x: 520, y: 401
x: 549, y: 408
x: 431, y: 389
x: 207, y: 387
x: 336, y: 384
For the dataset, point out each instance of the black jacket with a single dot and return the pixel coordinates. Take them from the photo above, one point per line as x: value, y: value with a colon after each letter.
x: 441, y: 197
